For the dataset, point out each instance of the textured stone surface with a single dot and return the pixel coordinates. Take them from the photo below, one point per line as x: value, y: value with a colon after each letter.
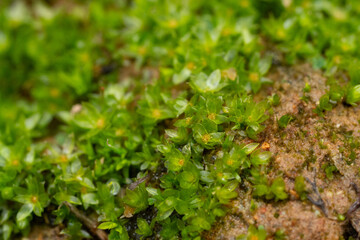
x: 302, y: 148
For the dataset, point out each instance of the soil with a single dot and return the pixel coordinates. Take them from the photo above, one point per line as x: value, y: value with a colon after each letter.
x: 304, y: 147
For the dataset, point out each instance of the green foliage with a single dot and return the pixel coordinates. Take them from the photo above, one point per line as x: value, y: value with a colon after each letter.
x: 248, y: 115
x: 137, y: 198
x: 341, y: 217
x: 300, y: 187
x: 329, y: 170
x: 259, y: 158
x: 207, y: 84
x: 275, y: 190
x: 280, y: 235
x: 285, y: 120
x: 307, y: 88
x: 100, y: 95
x: 254, y: 233
x: 274, y: 100
x: 353, y: 95
x: 144, y: 228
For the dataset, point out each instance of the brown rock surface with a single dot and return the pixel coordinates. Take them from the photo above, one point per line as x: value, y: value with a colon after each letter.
x: 304, y: 147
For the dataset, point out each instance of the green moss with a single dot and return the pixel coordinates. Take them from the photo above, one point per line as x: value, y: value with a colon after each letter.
x: 300, y: 187
x: 119, y: 108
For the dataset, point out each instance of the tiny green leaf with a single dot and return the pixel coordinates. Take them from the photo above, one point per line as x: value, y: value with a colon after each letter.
x: 285, y: 120
x: 107, y: 225
x: 24, y: 212
x: 260, y: 158
x: 353, y: 95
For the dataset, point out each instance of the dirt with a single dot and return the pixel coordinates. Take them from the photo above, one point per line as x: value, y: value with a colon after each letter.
x: 304, y: 147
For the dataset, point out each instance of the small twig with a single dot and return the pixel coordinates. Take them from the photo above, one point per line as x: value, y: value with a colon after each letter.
x: 356, y: 205
x: 89, y: 223
x: 319, y: 202
x: 133, y: 185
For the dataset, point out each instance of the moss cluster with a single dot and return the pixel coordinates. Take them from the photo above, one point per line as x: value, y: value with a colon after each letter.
x: 129, y: 110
